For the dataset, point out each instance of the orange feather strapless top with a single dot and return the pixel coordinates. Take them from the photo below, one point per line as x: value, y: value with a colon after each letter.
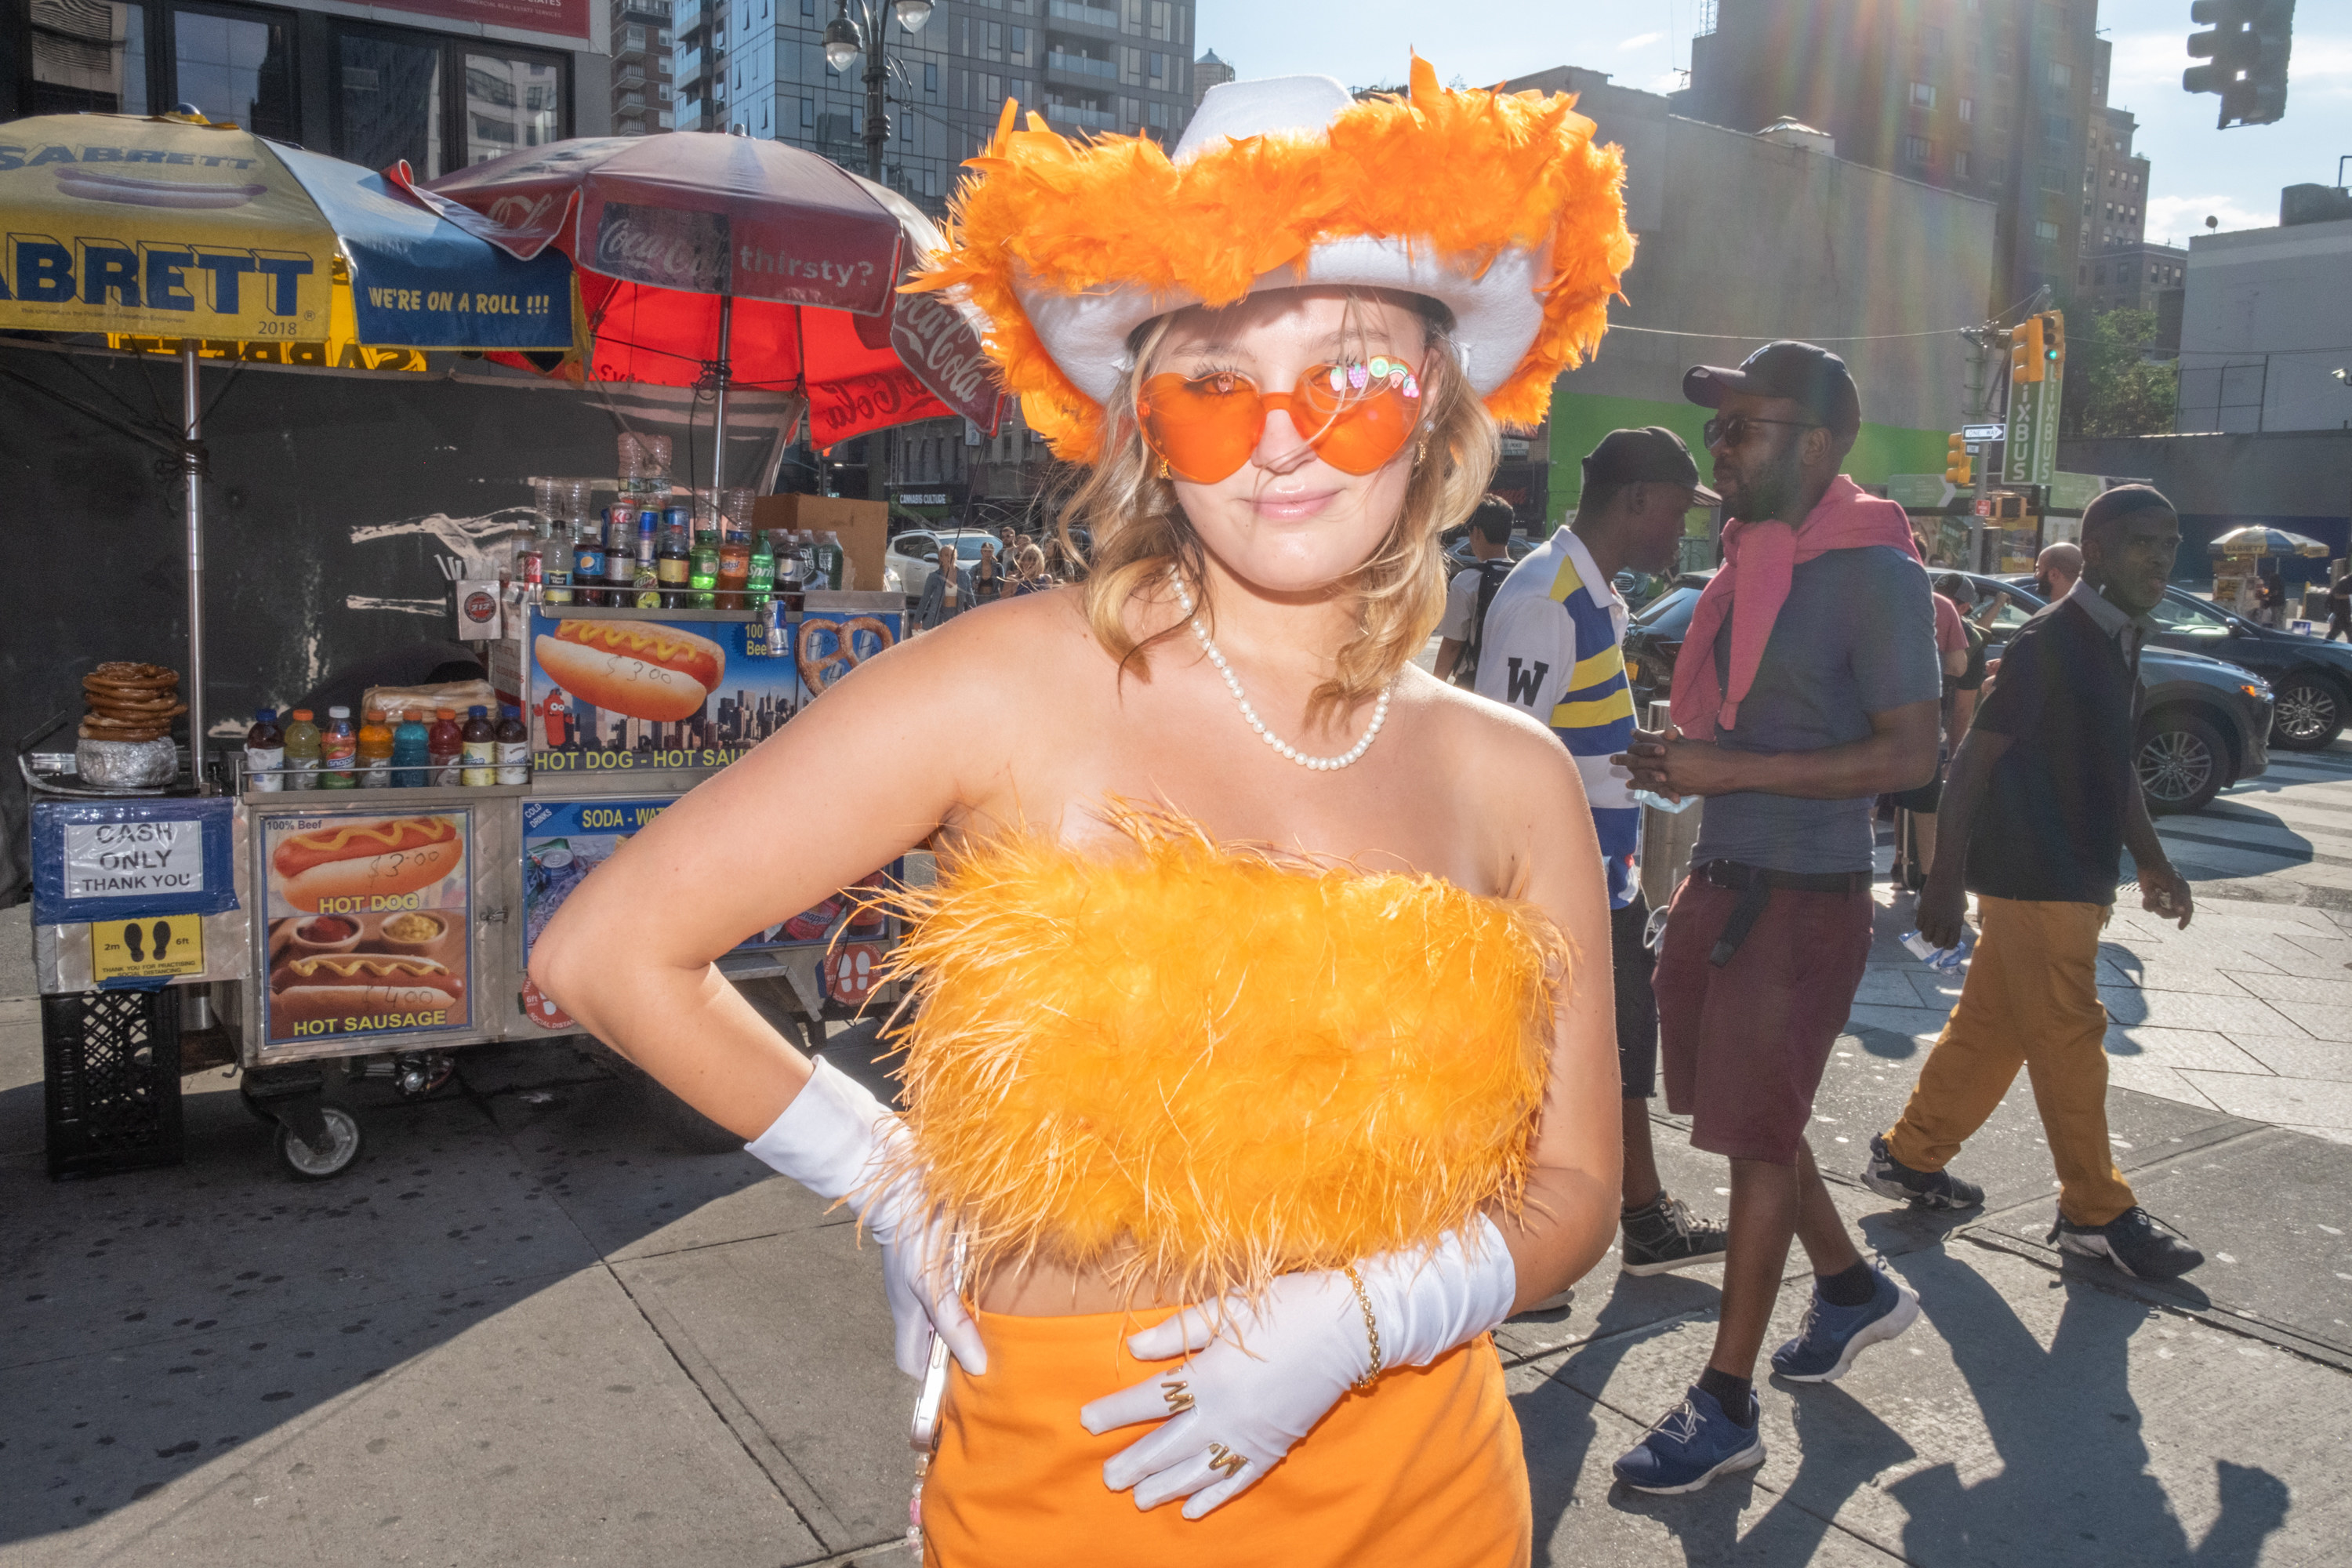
x: 1207, y: 1065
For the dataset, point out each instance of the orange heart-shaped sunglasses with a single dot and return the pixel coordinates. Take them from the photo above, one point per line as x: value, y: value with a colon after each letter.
x: 1356, y: 416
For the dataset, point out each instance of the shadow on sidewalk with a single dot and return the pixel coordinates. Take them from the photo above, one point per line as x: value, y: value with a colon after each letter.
x: 2073, y: 1483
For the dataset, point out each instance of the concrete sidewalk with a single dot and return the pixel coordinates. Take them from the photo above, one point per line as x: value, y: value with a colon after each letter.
x: 531, y: 1326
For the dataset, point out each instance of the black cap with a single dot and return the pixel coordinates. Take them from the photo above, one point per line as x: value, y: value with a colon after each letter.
x: 1814, y: 378
x: 1651, y: 456
x: 2121, y: 501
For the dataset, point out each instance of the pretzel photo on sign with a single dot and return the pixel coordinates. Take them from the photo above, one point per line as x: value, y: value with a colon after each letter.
x: 820, y: 666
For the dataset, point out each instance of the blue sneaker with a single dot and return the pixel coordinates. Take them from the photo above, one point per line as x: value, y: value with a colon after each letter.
x: 1696, y: 1443
x: 1830, y: 1336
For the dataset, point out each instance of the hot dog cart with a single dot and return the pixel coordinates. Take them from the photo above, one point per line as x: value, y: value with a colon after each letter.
x: 377, y: 930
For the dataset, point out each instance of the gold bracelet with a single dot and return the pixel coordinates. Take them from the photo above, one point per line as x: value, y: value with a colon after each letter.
x: 1371, y: 1330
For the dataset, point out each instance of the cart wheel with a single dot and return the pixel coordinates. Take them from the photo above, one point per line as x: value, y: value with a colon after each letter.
x: 306, y: 1163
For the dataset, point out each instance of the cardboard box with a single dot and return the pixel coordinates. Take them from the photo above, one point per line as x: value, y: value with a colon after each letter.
x: 862, y: 526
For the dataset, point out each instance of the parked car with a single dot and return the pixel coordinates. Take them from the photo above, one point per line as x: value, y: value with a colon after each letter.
x: 1654, y: 637
x: 2204, y: 727
x: 2205, y: 724
x: 914, y: 555
x: 1456, y: 545
x: 2311, y: 678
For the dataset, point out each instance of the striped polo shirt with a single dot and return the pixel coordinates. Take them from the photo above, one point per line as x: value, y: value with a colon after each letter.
x: 1552, y: 650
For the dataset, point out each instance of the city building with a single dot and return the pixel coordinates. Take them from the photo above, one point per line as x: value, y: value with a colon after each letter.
x: 1806, y: 218
x: 440, y: 83
x: 1209, y: 71
x: 643, y: 95
x: 2114, y: 177
x: 1122, y: 67
x: 2254, y: 296
x: 2131, y: 276
x: 1992, y: 99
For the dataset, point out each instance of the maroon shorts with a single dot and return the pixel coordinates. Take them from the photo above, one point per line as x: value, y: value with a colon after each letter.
x: 1743, y: 1046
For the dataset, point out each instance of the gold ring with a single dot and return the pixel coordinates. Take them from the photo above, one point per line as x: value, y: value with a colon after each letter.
x: 1179, y: 1398
x: 1224, y: 1459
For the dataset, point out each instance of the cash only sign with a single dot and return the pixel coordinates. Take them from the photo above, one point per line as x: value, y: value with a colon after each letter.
x: 168, y: 228
x: 142, y: 874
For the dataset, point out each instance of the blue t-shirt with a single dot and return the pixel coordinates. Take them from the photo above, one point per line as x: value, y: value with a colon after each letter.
x: 1855, y: 636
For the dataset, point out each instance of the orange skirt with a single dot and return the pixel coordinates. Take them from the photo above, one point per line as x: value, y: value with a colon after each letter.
x: 1426, y: 1470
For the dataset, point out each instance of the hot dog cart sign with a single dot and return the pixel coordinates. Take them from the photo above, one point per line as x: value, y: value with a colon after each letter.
x: 371, y: 929
x: 610, y: 694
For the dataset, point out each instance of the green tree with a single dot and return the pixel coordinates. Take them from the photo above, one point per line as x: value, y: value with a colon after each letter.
x: 2112, y: 387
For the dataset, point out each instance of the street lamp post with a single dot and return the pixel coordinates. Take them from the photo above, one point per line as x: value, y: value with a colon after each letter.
x: 845, y: 39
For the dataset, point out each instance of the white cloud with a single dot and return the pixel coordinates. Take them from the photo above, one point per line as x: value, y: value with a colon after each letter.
x: 2171, y: 220
x: 1638, y: 39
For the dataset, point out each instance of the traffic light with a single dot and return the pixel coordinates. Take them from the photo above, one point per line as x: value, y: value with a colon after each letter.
x: 2247, y: 44
x: 2054, y: 343
x: 1959, y: 467
x: 2027, y: 351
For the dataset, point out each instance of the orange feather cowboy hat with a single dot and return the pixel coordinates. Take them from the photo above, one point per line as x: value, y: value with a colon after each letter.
x: 1496, y: 204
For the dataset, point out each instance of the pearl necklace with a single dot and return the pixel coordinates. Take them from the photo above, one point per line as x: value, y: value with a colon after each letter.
x: 1234, y: 685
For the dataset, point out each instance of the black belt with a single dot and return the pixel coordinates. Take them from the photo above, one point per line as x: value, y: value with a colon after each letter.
x: 1755, y: 885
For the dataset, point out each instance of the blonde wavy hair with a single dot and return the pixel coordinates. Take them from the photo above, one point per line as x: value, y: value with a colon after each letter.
x: 1139, y: 532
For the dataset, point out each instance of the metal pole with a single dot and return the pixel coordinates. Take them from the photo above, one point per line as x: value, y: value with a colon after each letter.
x: 191, y: 417
x: 877, y: 119
x: 719, y: 446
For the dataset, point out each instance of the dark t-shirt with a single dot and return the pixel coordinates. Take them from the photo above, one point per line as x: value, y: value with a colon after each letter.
x: 2051, y: 828
x: 1855, y: 636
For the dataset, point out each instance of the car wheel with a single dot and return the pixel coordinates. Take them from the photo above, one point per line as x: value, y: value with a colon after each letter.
x: 2182, y: 763
x: 2309, y: 714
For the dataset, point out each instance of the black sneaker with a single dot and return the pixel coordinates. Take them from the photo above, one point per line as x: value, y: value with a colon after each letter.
x: 1891, y: 1178
x: 2133, y: 1241
x: 1663, y: 1234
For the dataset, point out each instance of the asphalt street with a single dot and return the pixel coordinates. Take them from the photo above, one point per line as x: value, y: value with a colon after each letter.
x: 534, y: 1325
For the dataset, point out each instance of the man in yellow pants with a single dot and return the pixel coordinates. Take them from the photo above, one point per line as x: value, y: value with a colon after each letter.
x: 2046, y: 770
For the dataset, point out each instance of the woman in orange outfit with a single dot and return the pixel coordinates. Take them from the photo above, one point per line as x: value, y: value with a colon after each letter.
x: 1254, y: 1072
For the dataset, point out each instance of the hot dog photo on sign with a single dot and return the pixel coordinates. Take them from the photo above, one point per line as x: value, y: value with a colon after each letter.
x: 369, y: 925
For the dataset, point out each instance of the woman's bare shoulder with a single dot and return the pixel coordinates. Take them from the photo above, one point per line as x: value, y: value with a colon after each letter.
x: 1489, y: 738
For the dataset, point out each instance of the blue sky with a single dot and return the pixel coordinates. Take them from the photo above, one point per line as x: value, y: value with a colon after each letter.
x: 2196, y: 171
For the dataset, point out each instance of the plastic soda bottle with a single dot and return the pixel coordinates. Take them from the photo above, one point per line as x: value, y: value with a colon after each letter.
x: 673, y: 559
x: 514, y: 747
x: 702, y: 564
x: 410, y: 759
x: 265, y: 753
x: 339, y: 748
x: 303, y: 750
x: 760, y: 581
x: 443, y: 746
x: 480, y: 743
x: 555, y: 572
x: 375, y: 752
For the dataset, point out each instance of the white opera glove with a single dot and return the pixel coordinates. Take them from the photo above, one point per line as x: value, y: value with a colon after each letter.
x: 1237, y: 1408
x: 835, y: 1139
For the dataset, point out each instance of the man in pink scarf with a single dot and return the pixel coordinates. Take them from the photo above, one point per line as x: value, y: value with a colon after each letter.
x: 1809, y: 685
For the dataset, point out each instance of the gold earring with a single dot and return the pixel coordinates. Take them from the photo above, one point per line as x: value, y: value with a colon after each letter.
x: 1163, y: 468
x: 1421, y: 452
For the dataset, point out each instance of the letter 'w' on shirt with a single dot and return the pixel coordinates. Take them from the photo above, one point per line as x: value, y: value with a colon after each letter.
x: 1552, y: 651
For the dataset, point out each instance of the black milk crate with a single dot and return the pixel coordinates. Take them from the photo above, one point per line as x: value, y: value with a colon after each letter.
x: 111, y: 1064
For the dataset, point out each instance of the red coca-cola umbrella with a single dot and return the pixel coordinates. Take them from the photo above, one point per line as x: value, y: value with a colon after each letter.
x: 704, y: 258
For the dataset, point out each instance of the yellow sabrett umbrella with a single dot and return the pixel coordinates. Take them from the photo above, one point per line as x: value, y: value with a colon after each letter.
x: 177, y: 234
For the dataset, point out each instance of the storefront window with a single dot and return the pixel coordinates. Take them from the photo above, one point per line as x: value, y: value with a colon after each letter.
x: 236, y: 68
x: 512, y: 103
x: 391, y: 102
x: 88, y: 55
